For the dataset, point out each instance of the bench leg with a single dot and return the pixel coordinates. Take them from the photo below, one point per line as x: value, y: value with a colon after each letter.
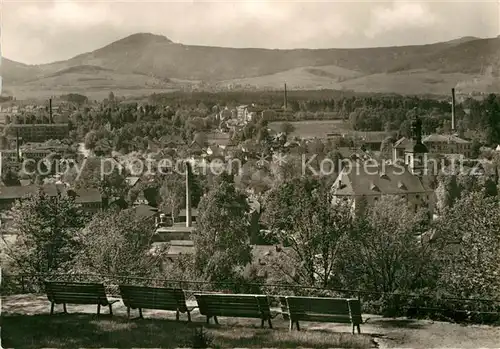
x: 51, y: 308
x: 290, y: 326
x: 298, y: 326
x: 208, y: 319
x: 359, y: 329
x: 64, y: 307
x: 140, y: 313
x: 128, y: 313
x: 262, y: 323
x: 216, y: 321
x: 177, y: 315
x: 98, y: 309
x: 189, y: 316
x: 111, y: 309
x: 270, y: 323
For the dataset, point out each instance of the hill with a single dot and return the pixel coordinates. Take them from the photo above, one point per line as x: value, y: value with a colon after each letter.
x: 154, y: 60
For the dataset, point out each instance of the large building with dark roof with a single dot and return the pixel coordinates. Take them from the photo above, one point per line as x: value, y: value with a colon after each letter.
x: 370, y: 183
x: 370, y: 180
x: 40, y: 132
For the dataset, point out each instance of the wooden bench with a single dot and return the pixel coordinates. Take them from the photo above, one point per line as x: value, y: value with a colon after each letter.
x: 141, y: 297
x: 235, y: 305
x: 339, y: 310
x: 77, y: 293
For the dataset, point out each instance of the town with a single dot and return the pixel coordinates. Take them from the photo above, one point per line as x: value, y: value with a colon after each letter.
x: 265, y: 164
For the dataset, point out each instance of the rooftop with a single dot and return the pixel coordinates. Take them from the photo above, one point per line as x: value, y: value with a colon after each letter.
x: 444, y: 139
x: 387, y: 179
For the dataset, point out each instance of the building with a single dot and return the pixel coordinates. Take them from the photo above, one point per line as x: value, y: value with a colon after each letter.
x: 444, y: 145
x: 241, y: 112
x: 90, y: 199
x: 40, y: 132
x: 246, y: 113
x: 10, y: 160
x: 33, y: 153
x: 447, y: 145
x: 368, y: 182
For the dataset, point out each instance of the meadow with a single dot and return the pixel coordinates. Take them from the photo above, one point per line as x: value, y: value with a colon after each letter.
x: 314, y: 128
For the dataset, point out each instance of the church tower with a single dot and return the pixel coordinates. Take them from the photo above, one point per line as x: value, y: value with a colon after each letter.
x: 416, y: 152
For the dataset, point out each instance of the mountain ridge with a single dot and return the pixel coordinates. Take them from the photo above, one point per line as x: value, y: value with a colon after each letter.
x: 158, y: 57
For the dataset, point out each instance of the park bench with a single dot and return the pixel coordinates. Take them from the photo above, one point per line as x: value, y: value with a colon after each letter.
x: 235, y: 305
x: 141, y: 297
x: 77, y: 293
x: 339, y: 310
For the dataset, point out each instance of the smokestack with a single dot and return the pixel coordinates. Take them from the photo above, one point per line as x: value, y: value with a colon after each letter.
x: 286, y: 99
x: 50, y: 111
x: 188, y: 195
x: 17, y: 145
x: 452, y: 110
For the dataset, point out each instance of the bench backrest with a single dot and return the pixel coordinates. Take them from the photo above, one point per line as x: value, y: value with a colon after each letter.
x: 153, y: 297
x: 76, y: 293
x: 236, y: 305
x: 324, y: 309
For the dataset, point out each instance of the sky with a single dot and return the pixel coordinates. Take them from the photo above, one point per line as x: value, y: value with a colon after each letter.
x: 35, y: 32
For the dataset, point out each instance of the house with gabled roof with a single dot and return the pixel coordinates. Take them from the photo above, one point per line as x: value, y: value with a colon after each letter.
x: 369, y: 181
x: 437, y: 144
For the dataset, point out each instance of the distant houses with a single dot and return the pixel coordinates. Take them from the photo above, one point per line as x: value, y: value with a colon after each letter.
x: 90, y: 200
x: 437, y: 144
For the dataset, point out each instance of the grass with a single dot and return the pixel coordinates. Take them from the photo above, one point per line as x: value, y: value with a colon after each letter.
x: 314, y: 128
x: 87, y: 330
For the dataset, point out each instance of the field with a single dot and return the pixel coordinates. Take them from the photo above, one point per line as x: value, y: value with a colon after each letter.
x: 407, y: 82
x: 304, y: 78
x: 314, y: 128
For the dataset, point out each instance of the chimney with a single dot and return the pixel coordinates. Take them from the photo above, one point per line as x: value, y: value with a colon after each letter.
x: 17, y: 146
x: 50, y: 111
x: 188, y: 195
x: 286, y: 99
x: 452, y: 110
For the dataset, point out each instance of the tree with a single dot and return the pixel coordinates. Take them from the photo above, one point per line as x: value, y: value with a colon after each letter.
x: 447, y: 192
x: 119, y: 243
x: 172, y: 193
x: 475, y: 148
x: 287, y: 128
x: 111, y: 96
x: 10, y: 178
x: 386, y: 148
x: 111, y: 180
x: 47, y: 233
x: 222, y: 234
x: 91, y: 139
x: 299, y: 215
x: 468, y: 241
x: 383, y: 253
